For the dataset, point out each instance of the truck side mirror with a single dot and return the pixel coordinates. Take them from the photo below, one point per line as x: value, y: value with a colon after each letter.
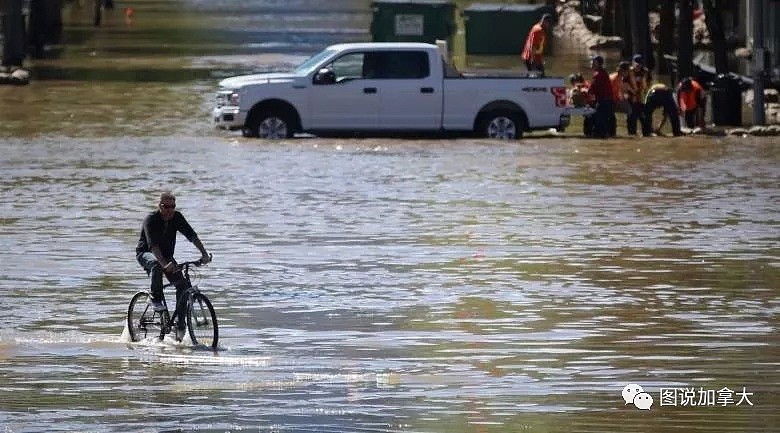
x: 325, y: 76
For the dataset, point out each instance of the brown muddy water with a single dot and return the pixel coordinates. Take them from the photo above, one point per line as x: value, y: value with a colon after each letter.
x: 369, y: 285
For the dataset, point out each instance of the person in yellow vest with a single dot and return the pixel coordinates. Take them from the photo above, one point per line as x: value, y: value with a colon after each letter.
x: 661, y: 96
x: 639, y: 78
x: 533, y: 52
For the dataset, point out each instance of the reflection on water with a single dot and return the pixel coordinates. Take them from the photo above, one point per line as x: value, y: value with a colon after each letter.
x: 367, y: 285
x: 396, y: 285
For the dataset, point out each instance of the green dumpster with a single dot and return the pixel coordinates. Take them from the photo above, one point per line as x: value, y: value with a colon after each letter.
x: 413, y: 20
x: 501, y: 28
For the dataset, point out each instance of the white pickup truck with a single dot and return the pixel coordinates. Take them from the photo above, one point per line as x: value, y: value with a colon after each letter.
x: 388, y: 88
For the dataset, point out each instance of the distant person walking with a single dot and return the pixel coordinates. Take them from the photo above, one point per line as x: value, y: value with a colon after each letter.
x: 601, y: 91
x: 692, y: 101
x: 533, y: 52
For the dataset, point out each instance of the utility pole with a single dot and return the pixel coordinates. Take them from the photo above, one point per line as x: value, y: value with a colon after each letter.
x: 757, y: 7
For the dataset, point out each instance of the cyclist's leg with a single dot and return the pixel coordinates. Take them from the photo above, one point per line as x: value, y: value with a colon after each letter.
x: 182, y: 285
x: 152, y: 267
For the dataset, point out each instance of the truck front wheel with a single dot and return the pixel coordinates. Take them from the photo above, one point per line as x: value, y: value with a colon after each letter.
x: 501, y: 125
x: 269, y: 125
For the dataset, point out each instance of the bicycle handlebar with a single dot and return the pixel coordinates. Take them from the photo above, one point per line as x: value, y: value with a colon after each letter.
x: 196, y: 263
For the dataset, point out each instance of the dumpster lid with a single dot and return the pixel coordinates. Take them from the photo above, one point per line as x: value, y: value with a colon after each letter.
x: 499, y: 7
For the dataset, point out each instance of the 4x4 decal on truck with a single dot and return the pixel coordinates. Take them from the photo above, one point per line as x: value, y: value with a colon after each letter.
x: 560, y: 96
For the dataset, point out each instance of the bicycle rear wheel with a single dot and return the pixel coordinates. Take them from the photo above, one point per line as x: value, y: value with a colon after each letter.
x: 142, y: 321
x: 202, y: 321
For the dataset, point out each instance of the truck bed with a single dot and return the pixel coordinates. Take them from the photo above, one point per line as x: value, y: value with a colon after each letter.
x: 500, y: 74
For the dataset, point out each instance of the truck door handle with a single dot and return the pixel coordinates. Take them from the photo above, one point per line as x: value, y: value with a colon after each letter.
x: 369, y: 90
x: 426, y: 90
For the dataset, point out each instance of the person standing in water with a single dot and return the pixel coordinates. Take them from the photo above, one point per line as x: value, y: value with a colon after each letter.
x: 533, y: 52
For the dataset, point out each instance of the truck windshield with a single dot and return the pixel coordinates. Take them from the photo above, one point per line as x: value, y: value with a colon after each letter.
x: 310, y: 63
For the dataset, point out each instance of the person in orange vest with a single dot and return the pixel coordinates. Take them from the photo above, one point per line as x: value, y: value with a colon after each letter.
x: 533, y: 52
x: 692, y: 101
x: 621, y: 90
x: 639, y: 77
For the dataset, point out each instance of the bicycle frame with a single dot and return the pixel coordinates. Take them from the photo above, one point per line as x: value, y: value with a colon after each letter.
x: 167, y: 321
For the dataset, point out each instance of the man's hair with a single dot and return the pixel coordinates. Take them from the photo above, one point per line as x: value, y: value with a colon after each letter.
x: 546, y: 17
x: 167, y: 195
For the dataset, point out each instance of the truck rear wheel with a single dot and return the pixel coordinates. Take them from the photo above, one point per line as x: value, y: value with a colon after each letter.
x: 269, y: 125
x: 501, y: 125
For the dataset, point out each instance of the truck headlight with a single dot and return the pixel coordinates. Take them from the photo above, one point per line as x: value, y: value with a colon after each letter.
x: 228, y: 97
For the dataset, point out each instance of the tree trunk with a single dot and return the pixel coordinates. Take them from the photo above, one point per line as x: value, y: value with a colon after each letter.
x: 608, y: 20
x: 665, y: 34
x: 623, y: 26
x: 97, y: 9
x: 36, y: 28
x: 13, y: 34
x: 685, y: 50
x: 714, y: 21
x: 640, y: 32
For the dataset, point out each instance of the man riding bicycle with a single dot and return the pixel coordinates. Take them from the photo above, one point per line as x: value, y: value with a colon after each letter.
x: 156, y: 246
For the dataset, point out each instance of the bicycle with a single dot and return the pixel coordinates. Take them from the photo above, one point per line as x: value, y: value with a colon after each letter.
x: 201, y: 320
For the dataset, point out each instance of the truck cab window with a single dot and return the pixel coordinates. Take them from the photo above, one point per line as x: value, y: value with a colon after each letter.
x: 403, y: 65
x: 348, y: 67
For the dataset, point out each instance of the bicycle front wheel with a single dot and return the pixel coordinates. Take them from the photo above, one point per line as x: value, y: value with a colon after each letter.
x: 142, y: 321
x: 202, y: 321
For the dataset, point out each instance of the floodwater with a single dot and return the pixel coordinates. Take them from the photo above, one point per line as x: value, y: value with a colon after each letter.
x: 369, y: 284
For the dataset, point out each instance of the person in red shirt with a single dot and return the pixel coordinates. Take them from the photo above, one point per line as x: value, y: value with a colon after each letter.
x: 604, y: 100
x: 692, y: 101
x: 533, y: 52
